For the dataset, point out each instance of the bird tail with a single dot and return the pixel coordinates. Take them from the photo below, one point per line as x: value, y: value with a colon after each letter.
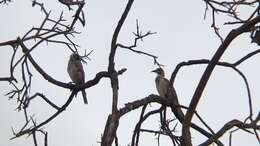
x: 178, y: 113
x: 176, y: 109
x: 84, y: 95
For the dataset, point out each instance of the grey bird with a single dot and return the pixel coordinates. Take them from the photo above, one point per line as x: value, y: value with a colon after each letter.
x: 162, y: 86
x: 76, y: 73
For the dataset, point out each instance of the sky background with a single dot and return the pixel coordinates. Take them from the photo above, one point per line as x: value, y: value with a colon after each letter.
x: 182, y: 35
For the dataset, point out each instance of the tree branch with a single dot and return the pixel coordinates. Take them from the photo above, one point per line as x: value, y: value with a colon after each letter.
x: 113, y: 119
x: 231, y: 124
x: 205, y: 77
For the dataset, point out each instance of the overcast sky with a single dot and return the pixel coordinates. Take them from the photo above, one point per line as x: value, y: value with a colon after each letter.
x: 182, y: 35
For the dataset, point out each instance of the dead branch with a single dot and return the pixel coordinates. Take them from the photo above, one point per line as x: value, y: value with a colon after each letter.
x: 204, y: 79
x: 231, y: 124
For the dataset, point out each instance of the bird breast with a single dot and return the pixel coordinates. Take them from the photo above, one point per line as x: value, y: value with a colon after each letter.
x: 75, y: 72
x: 162, y: 85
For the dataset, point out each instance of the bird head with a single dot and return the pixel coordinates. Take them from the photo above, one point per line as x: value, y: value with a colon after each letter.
x: 159, y: 71
x: 74, y: 56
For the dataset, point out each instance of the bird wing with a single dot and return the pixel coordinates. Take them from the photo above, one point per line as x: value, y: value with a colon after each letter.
x: 79, y: 66
x: 172, y: 93
x: 164, y: 83
x: 80, y: 71
x: 173, y: 96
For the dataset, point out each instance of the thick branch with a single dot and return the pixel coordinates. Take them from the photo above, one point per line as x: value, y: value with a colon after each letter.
x: 113, y: 119
x: 115, y: 35
x: 163, y: 101
x: 205, y: 77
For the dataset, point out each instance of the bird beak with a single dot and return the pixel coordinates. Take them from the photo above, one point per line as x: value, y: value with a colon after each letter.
x: 154, y: 71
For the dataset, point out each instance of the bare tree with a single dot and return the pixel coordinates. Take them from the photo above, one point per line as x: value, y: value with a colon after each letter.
x: 51, y: 30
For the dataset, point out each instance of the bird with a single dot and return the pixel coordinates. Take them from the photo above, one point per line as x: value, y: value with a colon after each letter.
x: 162, y: 86
x: 76, y: 73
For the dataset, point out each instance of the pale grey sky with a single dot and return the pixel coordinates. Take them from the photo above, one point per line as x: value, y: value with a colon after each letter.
x: 182, y: 35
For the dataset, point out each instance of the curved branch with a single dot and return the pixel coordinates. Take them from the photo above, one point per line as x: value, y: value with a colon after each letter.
x: 164, y: 101
x: 205, y: 77
x: 88, y: 84
x: 224, y: 64
x: 229, y: 125
x: 246, y: 57
x: 115, y: 35
x: 113, y: 119
x: 30, y: 130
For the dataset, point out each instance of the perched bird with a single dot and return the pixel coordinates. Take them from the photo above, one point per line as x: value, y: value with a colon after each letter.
x: 76, y: 72
x: 162, y: 86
